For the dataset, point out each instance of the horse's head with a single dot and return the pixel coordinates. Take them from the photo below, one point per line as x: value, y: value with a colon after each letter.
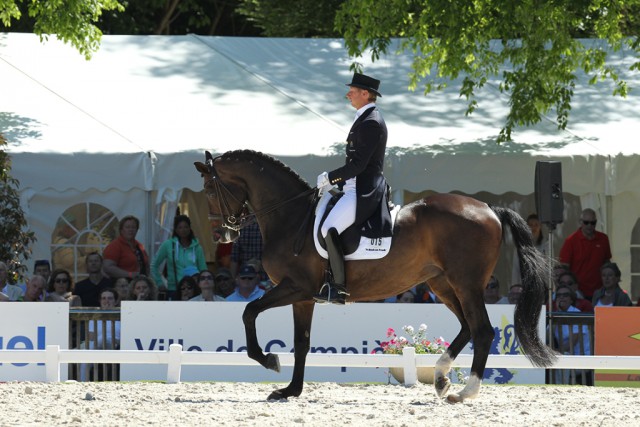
x: 227, y: 202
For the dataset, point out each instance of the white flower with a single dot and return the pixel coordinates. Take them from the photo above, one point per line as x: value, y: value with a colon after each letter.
x: 423, y: 327
x: 409, y: 329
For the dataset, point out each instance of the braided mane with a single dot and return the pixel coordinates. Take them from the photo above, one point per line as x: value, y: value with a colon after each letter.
x: 256, y: 156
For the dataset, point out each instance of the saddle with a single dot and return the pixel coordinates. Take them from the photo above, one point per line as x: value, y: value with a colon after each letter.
x: 370, y: 240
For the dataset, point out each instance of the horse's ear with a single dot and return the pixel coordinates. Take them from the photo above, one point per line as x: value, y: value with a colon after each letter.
x: 208, y: 156
x: 202, y: 168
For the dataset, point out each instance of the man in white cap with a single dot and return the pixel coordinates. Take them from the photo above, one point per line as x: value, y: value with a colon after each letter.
x: 360, y: 179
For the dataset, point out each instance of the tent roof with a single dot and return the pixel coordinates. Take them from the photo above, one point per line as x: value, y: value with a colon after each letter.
x: 150, y: 106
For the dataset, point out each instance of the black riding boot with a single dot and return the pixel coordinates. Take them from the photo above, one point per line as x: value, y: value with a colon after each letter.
x: 334, y: 291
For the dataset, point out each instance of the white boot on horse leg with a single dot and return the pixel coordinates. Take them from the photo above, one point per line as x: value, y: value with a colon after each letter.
x: 470, y: 391
x: 443, y: 367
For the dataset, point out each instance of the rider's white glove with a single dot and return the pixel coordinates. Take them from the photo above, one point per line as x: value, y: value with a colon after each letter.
x: 323, y: 180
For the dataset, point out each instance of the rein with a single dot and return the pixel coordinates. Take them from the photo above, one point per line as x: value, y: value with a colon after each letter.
x: 244, y: 218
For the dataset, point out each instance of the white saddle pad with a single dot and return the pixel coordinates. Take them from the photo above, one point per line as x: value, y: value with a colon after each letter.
x: 367, y: 249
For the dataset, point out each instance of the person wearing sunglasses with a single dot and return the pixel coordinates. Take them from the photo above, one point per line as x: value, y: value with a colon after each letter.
x: 584, y: 251
x: 187, y: 288
x: 569, y: 279
x: 206, y: 284
x: 60, y: 287
x: 247, y: 288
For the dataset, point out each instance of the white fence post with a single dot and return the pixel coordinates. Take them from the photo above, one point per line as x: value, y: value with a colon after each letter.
x: 174, y: 366
x: 52, y: 363
x: 409, y: 366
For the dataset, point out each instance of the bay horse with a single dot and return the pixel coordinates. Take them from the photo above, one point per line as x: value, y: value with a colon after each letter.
x: 450, y: 241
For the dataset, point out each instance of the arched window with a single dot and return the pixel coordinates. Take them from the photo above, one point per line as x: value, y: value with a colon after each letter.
x: 80, y: 230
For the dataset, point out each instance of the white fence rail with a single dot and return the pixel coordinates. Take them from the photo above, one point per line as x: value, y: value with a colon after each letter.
x: 53, y: 357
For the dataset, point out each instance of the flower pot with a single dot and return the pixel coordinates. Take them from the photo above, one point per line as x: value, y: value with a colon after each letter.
x: 425, y: 374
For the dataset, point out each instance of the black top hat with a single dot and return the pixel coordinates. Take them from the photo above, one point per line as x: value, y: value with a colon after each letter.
x: 365, y: 82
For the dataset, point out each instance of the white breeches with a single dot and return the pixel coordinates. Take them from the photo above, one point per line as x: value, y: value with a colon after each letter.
x: 343, y: 213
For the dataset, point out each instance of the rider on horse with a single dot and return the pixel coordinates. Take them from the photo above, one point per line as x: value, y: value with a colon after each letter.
x: 360, y: 179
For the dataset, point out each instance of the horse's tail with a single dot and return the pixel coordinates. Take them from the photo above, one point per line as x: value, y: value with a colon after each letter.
x: 534, y: 270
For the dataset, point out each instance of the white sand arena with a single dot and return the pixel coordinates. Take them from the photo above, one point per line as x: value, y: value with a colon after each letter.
x: 321, y: 404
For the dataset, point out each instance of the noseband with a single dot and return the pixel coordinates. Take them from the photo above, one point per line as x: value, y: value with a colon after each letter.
x: 231, y: 221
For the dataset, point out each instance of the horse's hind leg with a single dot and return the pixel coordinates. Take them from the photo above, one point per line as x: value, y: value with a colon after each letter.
x: 482, y: 333
x: 441, y: 287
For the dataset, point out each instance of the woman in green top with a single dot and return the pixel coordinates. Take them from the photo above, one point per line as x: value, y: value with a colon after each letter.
x: 182, y: 254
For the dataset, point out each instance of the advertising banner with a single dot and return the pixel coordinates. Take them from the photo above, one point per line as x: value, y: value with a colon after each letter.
x: 617, y: 333
x: 355, y: 328
x: 32, y: 326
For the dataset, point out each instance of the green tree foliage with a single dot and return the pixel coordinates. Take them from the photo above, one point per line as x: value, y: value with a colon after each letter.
x: 73, y: 21
x: 176, y: 17
x: 293, y: 18
x: 532, y: 45
x: 15, y: 243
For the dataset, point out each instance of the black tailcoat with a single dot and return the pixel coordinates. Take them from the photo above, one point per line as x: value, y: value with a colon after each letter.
x: 365, y: 151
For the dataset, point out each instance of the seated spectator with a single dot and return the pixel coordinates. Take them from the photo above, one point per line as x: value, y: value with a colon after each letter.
x: 143, y: 288
x: 97, y: 337
x: 565, y: 298
x: 12, y: 292
x: 122, y: 288
x: 90, y: 288
x: 558, y: 270
x: 492, y: 291
x: 103, y: 335
x: 35, y: 289
x: 569, y: 279
x: 246, y: 285
x: 187, y: 288
x: 206, y: 285
x: 125, y: 256
x: 224, y: 285
x: 59, y: 289
x: 611, y: 294
x: 406, y: 297
x: 515, y: 292
x: 42, y: 267
x: 574, y: 340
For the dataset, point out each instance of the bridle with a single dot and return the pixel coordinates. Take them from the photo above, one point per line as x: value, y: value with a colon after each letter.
x: 244, y: 217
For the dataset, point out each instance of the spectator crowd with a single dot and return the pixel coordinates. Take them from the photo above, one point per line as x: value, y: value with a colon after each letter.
x: 179, y: 272
x: 124, y: 271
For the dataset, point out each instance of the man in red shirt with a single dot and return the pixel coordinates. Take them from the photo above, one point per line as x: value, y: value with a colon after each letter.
x: 585, y: 251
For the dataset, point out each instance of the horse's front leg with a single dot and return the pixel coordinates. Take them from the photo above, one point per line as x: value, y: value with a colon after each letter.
x: 281, y: 295
x: 302, y: 316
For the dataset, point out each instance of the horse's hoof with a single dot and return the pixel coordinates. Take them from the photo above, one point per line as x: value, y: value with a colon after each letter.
x: 276, y: 395
x: 285, y: 393
x: 273, y: 362
x: 454, y: 398
x: 442, y: 386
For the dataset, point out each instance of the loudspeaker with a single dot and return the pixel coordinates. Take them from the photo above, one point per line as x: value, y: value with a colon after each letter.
x: 548, y: 187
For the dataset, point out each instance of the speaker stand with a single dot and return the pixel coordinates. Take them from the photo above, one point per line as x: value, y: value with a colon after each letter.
x: 551, y: 226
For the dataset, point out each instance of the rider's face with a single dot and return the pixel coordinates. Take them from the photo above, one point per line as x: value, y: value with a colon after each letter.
x: 358, y: 97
